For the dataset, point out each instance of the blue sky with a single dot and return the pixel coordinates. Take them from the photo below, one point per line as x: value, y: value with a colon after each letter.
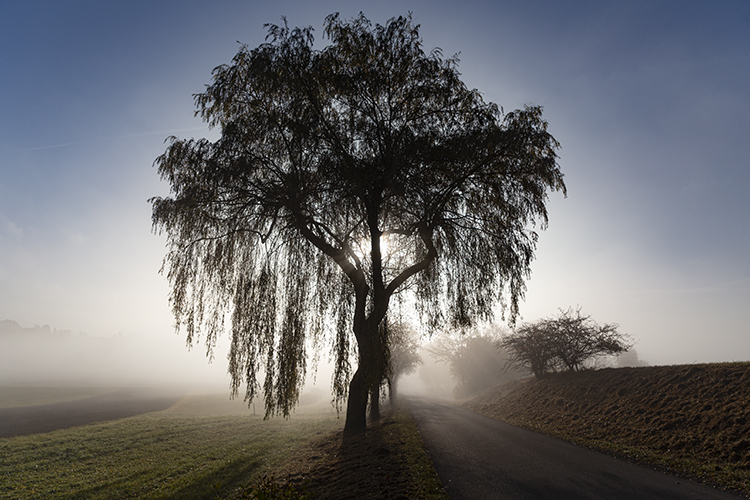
x: 650, y: 101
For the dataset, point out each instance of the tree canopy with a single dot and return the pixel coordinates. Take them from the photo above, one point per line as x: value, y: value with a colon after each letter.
x: 475, y: 361
x: 326, y: 157
x: 565, y: 342
x: 403, y: 348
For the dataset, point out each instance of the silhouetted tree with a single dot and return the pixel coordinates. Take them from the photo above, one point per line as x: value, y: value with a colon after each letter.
x: 404, y: 354
x: 564, y: 342
x: 530, y: 348
x: 476, y: 362
x: 324, y: 156
x: 578, y: 338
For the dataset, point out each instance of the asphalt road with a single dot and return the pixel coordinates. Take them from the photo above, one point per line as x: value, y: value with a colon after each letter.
x: 121, y: 403
x: 478, y: 457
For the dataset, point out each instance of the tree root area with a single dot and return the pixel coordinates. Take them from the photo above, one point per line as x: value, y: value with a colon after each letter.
x: 369, y: 466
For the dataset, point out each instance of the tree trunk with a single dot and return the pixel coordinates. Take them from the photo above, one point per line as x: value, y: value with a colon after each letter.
x: 356, y: 405
x: 370, y: 372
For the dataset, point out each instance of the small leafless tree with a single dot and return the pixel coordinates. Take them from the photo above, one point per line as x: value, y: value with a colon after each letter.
x: 564, y: 342
x: 577, y: 338
x: 529, y: 349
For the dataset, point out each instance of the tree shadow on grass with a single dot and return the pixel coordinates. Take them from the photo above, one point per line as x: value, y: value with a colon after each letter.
x: 220, y: 482
x: 365, y: 466
x: 228, y: 478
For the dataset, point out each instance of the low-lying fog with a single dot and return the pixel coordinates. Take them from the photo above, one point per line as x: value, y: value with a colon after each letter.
x: 44, y: 356
x: 450, y: 368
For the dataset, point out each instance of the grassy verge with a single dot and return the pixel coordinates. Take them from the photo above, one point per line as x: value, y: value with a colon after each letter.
x: 388, y: 460
x: 424, y: 479
x: 194, y: 450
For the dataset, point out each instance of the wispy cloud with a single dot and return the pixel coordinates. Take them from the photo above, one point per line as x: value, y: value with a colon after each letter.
x: 9, y: 230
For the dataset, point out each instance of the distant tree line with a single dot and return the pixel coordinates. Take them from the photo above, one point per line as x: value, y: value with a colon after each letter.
x: 565, y: 342
x: 476, y: 362
x: 404, y: 354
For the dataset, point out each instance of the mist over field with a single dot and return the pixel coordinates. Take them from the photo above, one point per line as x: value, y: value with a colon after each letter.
x: 45, y: 356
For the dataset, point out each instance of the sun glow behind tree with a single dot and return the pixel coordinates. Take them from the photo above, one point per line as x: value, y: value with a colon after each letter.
x: 367, y: 140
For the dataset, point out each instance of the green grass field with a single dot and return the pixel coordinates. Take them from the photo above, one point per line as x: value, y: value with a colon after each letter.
x: 203, y: 445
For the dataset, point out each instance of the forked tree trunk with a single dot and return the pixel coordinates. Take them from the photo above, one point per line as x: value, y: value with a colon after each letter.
x: 368, y: 375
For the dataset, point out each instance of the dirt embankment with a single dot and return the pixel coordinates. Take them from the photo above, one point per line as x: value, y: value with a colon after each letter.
x: 693, y: 419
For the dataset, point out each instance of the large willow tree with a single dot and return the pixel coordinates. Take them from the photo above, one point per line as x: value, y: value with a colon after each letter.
x: 344, y: 177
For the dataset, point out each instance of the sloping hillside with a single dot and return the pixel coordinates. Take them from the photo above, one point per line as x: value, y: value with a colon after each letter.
x: 693, y: 419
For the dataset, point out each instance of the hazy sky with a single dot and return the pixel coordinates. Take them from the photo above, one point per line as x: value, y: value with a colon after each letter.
x: 650, y: 101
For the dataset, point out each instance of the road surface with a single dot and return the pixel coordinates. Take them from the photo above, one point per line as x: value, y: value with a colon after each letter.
x: 478, y: 457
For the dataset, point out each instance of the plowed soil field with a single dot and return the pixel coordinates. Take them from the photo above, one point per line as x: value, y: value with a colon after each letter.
x: 25, y: 420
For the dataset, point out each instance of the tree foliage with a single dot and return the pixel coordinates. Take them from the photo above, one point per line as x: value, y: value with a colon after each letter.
x: 279, y: 226
x: 476, y: 362
x: 404, y: 356
x: 565, y: 342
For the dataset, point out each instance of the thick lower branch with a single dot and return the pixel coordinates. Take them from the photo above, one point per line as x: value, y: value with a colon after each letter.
x: 338, y: 255
x: 426, y: 234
